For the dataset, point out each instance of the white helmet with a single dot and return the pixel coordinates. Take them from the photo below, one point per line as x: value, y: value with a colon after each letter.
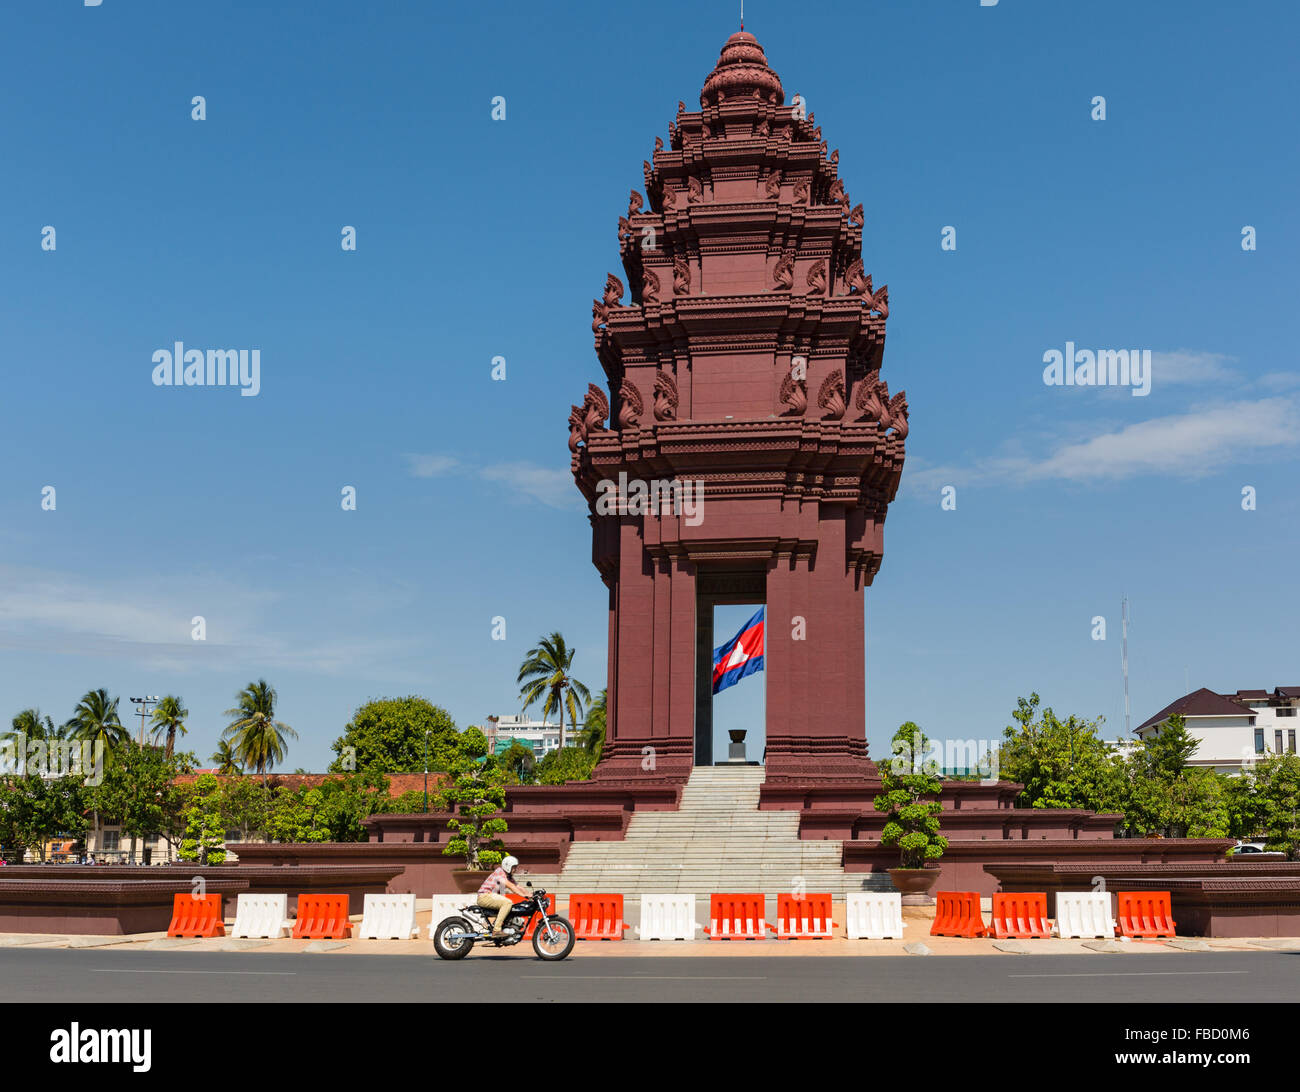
x: 510, y: 864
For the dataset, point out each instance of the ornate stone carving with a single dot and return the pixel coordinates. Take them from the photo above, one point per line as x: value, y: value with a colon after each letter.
x: 878, y: 301
x: 831, y: 396
x: 896, y: 415
x: 794, y: 395
x: 694, y: 190
x: 595, y: 408
x: 763, y: 128
x: 613, y: 291
x: 659, y: 144
x: 576, y: 433
x: 634, y: 204
x: 681, y: 108
x: 816, y: 279
x: 855, y: 280
x: 835, y: 158
x: 672, y: 133
x: 649, y: 287
x: 871, y: 397
x: 707, y: 129
x: 681, y: 276
x: 669, y: 200
x: 856, y: 216
x: 801, y: 192
x: 772, y: 184
x: 599, y: 314
x: 784, y: 272
x: 630, y: 406
x: 624, y: 228
x: 665, y: 397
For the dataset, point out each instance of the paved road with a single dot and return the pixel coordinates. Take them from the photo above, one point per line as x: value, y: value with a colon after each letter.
x: 70, y: 975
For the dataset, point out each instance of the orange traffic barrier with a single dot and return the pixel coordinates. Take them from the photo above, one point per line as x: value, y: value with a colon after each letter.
x: 803, y: 918
x: 957, y: 914
x: 322, y: 917
x: 532, y: 923
x: 1145, y: 914
x: 597, y: 917
x: 1021, y: 915
x: 737, y: 917
x: 196, y: 916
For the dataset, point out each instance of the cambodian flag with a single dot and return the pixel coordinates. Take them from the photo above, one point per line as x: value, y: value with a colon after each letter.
x: 741, y: 656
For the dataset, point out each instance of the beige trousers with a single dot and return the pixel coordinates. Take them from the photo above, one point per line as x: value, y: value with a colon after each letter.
x: 499, y: 903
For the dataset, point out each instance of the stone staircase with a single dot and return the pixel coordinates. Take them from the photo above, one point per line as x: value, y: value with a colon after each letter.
x: 717, y: 840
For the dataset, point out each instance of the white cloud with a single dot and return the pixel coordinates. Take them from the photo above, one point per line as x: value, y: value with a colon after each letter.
x: 1188, y: 366
x: 431, y: 466
x: 1187, y: 445
x: 553, y: 488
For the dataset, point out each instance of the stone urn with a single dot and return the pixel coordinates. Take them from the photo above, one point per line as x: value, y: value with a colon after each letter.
x: 469, y: 880
x: 914, y: 884
x: 736, y: 748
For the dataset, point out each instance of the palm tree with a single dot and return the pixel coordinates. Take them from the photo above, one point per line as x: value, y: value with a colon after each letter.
x: 225, y: 758
x: 593, y: 728
x: 259, y: 739
x: 33, y: 725
x: 545, y: 676
x: 169, y: 717
x: 95, y: 719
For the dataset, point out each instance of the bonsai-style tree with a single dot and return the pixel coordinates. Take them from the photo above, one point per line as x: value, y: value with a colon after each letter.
x: 911, y: 800
x: 476, y: 791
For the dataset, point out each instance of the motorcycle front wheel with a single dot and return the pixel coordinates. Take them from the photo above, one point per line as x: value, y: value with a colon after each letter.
x: 447, y: 943
x: 555, y: 943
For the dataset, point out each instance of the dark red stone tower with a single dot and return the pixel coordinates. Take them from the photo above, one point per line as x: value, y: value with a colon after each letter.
x: 748, y: 360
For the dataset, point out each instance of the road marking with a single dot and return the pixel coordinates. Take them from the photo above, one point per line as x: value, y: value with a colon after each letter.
x: 1123, y: 974
x: 652, y: 977
x: 133, y: 970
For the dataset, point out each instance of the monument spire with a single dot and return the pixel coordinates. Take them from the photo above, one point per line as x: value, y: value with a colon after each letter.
x: 743, y: 377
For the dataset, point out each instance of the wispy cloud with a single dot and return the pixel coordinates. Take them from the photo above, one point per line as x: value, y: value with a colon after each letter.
x: 549, y: 486
x: 1189, y: 366
x: 1186, y: 445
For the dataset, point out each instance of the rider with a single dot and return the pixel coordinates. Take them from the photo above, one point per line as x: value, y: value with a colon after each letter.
x: 491, y: 894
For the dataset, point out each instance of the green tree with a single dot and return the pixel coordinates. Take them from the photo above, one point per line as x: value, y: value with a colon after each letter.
x: 257, y: 738
x: 225, y: 759
x: 565, y: 764
x: 475, y: 796
x: 95, y: 719
x: 1060, y: 763
x: 36, y: 809
x: 245, y: 805
x: 140, y: 791
x: 546, y: 676
x: 31, y: 724
x: 1274, y: 788
x: 205, y: 833
x: 168, y: 719
x: 388, y: 735
x: 520, y: 761
x: 911, y: 800
x: 593, y: 729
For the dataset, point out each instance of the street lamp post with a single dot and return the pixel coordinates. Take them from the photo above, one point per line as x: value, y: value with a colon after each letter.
x: 426, y: 771
x: 143, y: 712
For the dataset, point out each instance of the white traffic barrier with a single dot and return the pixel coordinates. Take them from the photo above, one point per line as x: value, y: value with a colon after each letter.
x: 872, y: 915
x: 667, y: 917
x: 446, y: 906
x: 388, y: 917
x: 1084, y: 914
x: 259, y: 916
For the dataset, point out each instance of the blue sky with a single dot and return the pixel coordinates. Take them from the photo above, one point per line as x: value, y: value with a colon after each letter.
x: 479, y: 238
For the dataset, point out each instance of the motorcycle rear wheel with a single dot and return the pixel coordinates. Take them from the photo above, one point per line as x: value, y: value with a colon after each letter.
x: 449, y: 948
x: 559, y: 944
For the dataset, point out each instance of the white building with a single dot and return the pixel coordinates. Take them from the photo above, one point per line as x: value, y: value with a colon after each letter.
x: 1233, y: 729
x: 541, y: 735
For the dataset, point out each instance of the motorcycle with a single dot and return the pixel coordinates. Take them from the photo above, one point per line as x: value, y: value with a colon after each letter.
x: 553, y: 936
